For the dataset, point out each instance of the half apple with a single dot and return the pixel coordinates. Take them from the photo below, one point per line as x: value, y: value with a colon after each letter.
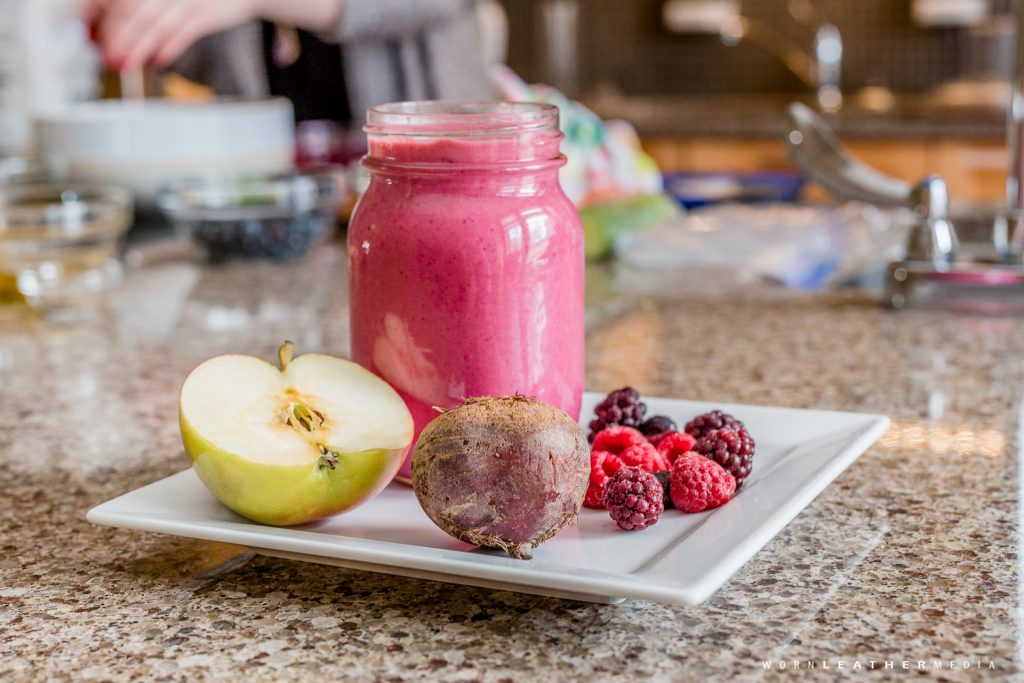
x: 289, y: 445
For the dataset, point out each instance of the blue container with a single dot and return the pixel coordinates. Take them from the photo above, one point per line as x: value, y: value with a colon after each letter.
x: 693, y: 190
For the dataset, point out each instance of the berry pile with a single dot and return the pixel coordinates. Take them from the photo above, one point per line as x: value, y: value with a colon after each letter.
x: 642, y: 466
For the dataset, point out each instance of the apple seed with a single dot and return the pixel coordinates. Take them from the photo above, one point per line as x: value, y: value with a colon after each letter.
x: 328, y: 458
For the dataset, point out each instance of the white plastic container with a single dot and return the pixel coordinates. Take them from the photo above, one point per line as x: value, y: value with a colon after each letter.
x: 145, y: 145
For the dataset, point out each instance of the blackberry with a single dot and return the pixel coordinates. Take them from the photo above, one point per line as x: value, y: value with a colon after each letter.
x: 634, y: 498
x: 708, y: 422
x: 733, y: 449
x: 657, y: 424
x: 619, y: 407
x: 664, y: 478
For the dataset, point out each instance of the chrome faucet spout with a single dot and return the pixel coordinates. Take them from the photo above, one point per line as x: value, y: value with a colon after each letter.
x: 821, y: 71
x: 820, y: 68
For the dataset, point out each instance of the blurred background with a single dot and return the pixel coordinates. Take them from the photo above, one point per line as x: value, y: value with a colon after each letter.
x: 238, y: 142
x: 654, y: 47
x: 924, y: 84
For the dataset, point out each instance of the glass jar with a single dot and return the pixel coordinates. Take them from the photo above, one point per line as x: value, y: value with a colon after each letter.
x: 466, y: 258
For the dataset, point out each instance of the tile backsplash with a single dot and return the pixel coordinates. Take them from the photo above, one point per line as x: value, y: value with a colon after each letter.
x: 623, y: 44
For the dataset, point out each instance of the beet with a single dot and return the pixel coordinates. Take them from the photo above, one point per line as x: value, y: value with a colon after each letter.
x: 506, y: 472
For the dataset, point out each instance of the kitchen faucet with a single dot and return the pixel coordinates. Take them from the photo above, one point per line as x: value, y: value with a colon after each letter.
x: 934, y: 270
x: 820, y: 70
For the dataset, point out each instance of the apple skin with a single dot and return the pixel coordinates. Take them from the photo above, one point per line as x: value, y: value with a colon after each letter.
x: 289, y: 495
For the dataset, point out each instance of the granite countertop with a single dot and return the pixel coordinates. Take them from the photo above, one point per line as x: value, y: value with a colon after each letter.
x: 764, y: 116
x: 910, y: 555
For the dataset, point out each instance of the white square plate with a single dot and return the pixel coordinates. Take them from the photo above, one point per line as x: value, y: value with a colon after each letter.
x: 681, y: 559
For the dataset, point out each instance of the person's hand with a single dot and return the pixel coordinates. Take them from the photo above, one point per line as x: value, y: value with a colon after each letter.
x: 134, y: 33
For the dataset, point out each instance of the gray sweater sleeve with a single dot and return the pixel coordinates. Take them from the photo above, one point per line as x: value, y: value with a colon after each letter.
x: 387, y: 19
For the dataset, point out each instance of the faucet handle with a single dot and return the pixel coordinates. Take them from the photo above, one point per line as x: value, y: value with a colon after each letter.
x: 929, y: 198
x: 933, y: 237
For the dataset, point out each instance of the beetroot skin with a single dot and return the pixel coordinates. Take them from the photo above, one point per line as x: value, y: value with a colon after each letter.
x: 502, y: 472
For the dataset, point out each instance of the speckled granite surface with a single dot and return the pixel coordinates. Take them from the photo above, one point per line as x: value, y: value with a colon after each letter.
x: 911, y: 555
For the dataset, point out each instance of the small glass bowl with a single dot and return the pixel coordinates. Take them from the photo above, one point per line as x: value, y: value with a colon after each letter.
x: 61, y: 243
x: 276, y: 217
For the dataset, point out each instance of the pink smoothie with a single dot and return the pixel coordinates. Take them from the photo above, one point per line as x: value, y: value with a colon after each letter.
x: 466, y: 272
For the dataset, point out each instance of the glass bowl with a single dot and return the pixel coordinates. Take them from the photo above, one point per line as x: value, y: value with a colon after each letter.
x: 60, y: 244
x: 276, y: 217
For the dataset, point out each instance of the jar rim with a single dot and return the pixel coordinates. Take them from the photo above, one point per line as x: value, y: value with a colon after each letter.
x: 460, y: 118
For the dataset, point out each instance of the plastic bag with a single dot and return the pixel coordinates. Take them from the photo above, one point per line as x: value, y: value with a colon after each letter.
x: 802, y: 246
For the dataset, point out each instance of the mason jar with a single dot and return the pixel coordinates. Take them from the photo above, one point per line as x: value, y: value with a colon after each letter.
x: 466, y: 258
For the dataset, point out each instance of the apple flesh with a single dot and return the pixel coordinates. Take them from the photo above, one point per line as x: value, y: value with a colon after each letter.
x: 287, y: 446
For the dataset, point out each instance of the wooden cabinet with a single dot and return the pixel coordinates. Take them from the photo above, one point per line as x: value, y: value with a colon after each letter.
x: 974, y: 170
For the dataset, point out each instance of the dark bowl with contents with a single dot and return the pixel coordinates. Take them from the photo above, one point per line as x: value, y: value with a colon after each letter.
x: 277, y: 217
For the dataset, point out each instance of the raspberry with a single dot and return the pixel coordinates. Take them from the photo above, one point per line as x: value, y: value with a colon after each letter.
x: 671, y: 444
x: 656, y: 439
x: 617, y: 439
x: 657, y: 424
x: 664, y: 478
x: 699, y: 484
x: 645, y: 456
x: 733, y: 449
x: 716, y: 419
x: 602, y: 467
x: 634, y: 498
x: 620, y: 407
